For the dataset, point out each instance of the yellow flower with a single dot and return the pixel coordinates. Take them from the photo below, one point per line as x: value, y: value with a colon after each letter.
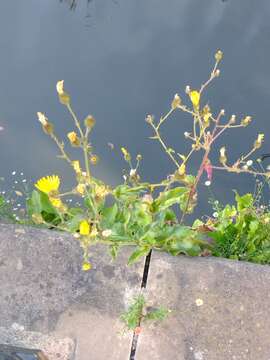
x: 195, y: 98
x: 94, y: 159
x: 86, y: 266
x: 84, y: 228
x: 76, y: 166
x: 48, y: 184
x: 126, y: 154
x: 56, y: 202
x: 60, y: 87
x: 80, y: 188
x: 73, y: 138
x: 101, y: 191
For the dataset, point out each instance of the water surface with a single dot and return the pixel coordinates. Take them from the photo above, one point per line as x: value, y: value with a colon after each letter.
x: 122, y: 60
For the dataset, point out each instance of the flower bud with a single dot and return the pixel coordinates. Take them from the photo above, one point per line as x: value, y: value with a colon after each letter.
x: 176, y: 102
x: 232, y: 119
x: 187, y: 90
x: 149, y: 119
x: 182, y: 170
x: 218, y: 55
x: 126, y: 154
x: 94, y: 159
x: 73, y: 138
x: 80, y: 188
x: 217, y: 73
x: 222, y: 157
x: 89, y: 121
x: 259, y: 141
x: 246, y: 121
x: 46, y: 125
x: 76, y: 167
x: 106, y: 233
x: 64, y: 98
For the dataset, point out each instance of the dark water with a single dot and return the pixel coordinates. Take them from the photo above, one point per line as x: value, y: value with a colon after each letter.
x: 121, y: 60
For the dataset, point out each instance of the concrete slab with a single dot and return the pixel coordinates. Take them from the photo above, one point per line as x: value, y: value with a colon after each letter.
x: 52, y: 347
x: 44, y: 289
x: 220, y: 310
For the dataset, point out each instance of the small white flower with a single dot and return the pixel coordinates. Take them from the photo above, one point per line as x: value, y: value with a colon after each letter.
x: 245, y: 167
x: 186, y: 134
x: 13, y: 173
x: 249, y: 162
x: 24, y: 180
x: 199, y: 302
x: 132, y: 172
x: 107, y: 232
x: 215, y: 214
x: 207, y: 183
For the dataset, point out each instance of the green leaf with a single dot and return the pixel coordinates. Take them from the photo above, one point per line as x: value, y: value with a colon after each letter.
x: 243, y: 202
x: 109, y: 215
x: 138, y: 253
x: 169, y: 198
x: 157, y: 315
x: 74, y: 224
x: 39, y: 203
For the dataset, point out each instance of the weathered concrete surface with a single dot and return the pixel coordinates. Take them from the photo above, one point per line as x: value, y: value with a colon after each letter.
x: 44, y: 289
x: 220, y: 310
x: 52, y: 347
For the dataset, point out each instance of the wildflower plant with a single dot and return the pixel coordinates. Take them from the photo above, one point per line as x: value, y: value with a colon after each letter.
x: 135, y: 212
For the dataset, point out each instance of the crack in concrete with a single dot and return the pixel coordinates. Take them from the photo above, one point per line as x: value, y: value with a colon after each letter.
x: 135, y: 337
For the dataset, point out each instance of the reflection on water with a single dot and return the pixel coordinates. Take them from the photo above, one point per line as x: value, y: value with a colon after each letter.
x: 130, y: 63
x: 73, y: 3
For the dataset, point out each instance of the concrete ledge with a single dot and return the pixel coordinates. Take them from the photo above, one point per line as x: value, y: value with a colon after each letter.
x: 54, y: 348
x: 219, y: 307
x: 220, y: 310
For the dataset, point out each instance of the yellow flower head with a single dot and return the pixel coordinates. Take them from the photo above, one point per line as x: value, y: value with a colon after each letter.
x: 73, y: 138
x: 48, y: 184
x: 80, y: 188
x: 84, y: 228
x: 195, y: 98
x: 101, y: 191
x: 86, y: 266
x: 60, y: 87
